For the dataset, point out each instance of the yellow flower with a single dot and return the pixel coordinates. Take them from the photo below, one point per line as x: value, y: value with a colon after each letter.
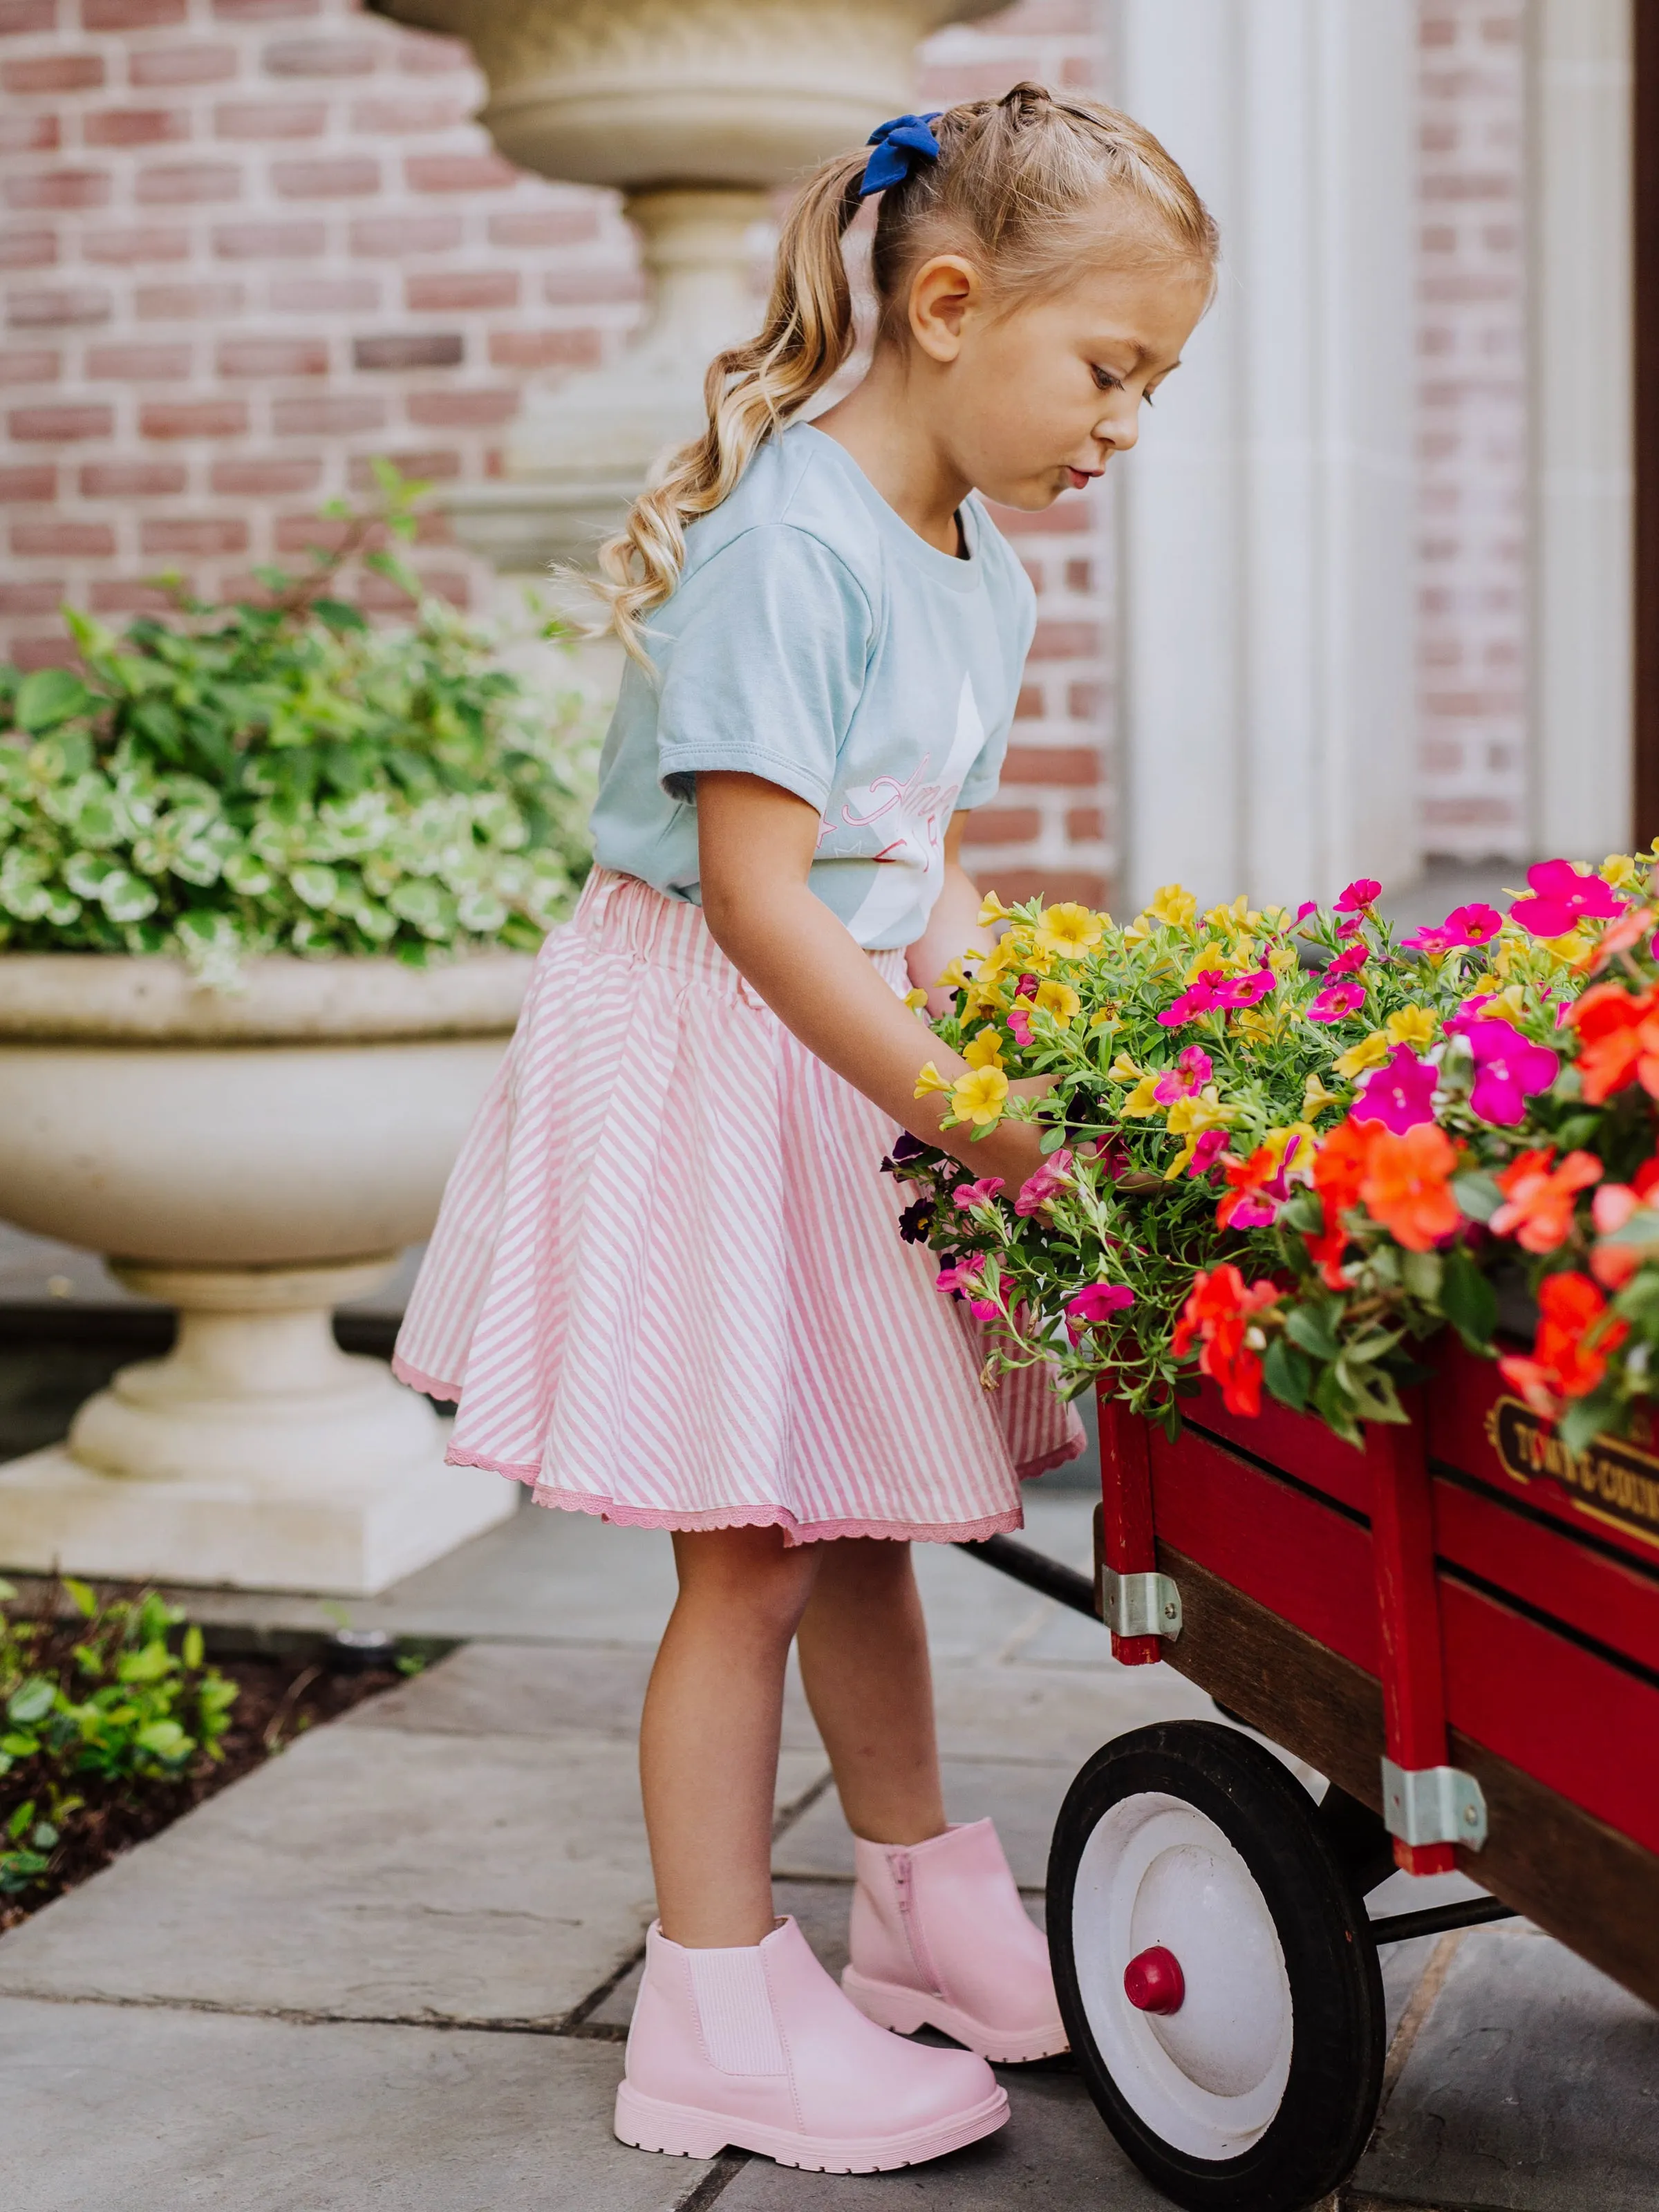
x: 1260, y: 1025
x: 981, y: 998
x: 1105, y: 1019
x: 1574, y: 949
x: 929, y: 1079
x: 1619, y: 869
x: 1238, y: 919
x: 992, y: 909
x: 1283, y: 960
x: 1413, y: 1025
x: 1070, y: 930
x: 1212, y: 957
x: 916, y: 1000
x: 1124, y: 1070
x: 1142, y: 1102
x: 1370, y: 1052
x: 955, y: 977
x: 1137, y: 933
x: 1061, y: 1000
x: 1315, y: 1097
x: 980, y: 1097
x: 1172, y: 906
x: 985, y: 1051
x: 1203, y: 1110
x: 1278, y: 1141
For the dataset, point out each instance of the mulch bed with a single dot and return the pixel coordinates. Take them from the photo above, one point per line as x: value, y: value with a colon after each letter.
x: 280, y: 1699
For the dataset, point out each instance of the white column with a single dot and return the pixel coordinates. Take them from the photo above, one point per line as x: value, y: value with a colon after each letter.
x: 1267, y: 679
x: 1582, y: 426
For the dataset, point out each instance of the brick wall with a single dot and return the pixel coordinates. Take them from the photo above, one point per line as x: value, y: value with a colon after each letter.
x: 249, y: 243
x: 1472, y: 423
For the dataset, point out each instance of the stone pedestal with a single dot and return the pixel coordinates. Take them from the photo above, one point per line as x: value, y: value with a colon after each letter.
x: 257, y: 1453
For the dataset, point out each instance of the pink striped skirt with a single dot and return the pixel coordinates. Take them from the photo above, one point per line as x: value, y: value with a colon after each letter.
x: 667, y: 1284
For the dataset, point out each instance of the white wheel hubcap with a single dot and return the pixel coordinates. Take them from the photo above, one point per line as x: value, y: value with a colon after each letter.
x: 1210, y: 2077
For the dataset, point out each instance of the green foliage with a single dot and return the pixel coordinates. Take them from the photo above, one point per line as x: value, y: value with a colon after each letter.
x: 279, y: 777
x: 134, y: 1700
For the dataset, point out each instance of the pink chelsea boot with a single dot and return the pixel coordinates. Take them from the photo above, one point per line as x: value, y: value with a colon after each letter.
x: 757, y: 2048
x: 940, y: 1937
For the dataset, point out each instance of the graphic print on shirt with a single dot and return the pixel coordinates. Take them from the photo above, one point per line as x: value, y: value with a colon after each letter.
x: 903, y: 824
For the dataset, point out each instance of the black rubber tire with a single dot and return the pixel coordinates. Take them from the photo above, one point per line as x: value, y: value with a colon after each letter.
x: 1338, y: 2031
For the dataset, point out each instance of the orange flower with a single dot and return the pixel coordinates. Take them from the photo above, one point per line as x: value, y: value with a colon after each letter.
x: 1339, y: 1169
x: 1619, y: 1039
x: 1219, y: 1310
x: 1407, y: 1185
x: 1613, y: 1264
x: 1566, y: 1362
x: 1539, y: 1211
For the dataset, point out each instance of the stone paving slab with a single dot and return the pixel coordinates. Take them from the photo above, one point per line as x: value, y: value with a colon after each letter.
x: 1023, y: 1797
x: 1531, y: 2086
x: 1054, y: 2154
x: 375, y: 1874
x: 108, y: 2108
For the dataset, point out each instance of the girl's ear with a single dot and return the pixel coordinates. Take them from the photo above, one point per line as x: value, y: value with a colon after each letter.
x: 943, y: 293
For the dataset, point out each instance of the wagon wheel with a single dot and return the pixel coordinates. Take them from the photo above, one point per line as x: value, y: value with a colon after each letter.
x: 1215, y: 1975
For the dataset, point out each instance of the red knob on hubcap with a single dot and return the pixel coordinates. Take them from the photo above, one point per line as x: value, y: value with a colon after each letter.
x: 1153, y: 1982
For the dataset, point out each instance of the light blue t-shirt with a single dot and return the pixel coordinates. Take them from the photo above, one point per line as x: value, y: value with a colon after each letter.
x: 815, y: 640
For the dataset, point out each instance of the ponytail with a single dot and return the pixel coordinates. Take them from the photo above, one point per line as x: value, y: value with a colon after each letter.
x: 750, y: 390
x: 1031, y: 186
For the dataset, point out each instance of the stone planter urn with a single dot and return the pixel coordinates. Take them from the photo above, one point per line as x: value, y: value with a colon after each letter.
x: 697, y: 110
x: 252, y: 1159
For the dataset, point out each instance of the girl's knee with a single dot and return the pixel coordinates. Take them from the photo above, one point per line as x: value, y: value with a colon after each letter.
x: 755, y: 1580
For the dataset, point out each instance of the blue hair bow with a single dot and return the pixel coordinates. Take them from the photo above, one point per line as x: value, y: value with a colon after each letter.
x: 899, y: 146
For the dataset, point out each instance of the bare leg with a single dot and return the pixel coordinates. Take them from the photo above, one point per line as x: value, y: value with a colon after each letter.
x: 708, y: 1735
x: 863, y: 1646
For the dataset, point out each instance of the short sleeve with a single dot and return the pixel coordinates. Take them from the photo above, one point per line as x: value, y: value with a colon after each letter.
x: 770, y: 639
x: 980, y: 784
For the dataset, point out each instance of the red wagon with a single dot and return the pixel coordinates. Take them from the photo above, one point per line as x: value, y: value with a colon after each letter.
x: 1460, y: 1627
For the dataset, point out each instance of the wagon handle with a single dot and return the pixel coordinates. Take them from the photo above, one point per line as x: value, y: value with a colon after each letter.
x: 1128, y: 1545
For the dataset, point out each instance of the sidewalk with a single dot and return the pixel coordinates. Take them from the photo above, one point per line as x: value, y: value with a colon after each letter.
x: 393, y: 1968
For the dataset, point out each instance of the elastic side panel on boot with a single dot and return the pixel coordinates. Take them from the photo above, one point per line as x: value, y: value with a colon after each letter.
x: 735, y: 2010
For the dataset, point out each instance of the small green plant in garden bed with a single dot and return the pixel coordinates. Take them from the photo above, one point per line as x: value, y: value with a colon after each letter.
x: 131, y: 1700
x: 278, y: 776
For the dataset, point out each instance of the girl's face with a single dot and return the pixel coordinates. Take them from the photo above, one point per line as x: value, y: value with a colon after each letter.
x: 1034, y: 400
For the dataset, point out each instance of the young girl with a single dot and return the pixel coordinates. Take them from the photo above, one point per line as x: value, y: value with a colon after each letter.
x: 668, y: 1285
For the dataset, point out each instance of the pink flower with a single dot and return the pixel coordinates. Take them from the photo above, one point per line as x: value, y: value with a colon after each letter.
x: 1346, y: 962
x: 1205, y: 1152
x: 1192, y: 1070
x: 1561, y: 897
x: 1210, y: 989
x: 1467, y: 1019
x: 1306, y: 907
x: 1093, y: 1304
x: 1509, y: 1068
x: 1019, y: 1026
x: 1055, y: 1174
x: 964, y: 1278
x: 1364, y: 892
x: 1026, y: 988
x: 968, y: 1195
x: 1336, y: 1001
x: 1465, y: 925
x: 1400, y: 1094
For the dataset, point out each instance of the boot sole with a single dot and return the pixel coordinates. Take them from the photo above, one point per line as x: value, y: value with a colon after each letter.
x: 906, y: 2010
x: 684, y: 2131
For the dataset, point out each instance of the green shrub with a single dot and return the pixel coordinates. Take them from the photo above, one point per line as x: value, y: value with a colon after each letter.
x: 120, y: 1702
x: 280, y: 776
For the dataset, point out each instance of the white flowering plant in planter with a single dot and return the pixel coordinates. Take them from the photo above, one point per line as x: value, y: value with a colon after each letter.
x: 280, y: 776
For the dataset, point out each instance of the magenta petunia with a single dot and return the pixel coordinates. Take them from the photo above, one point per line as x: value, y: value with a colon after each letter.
x: 985, y: 1192
x: 1202, y: 996
x: 1464, y: 926
x: 1400, y: 1094
x: 1337, y: 1000
x: 1467, y: 1016
x: 1093, y: 1304
x: 1192, y: 1070
x: 1245, y: 990
x: 1019, y: 1027
x: 1053, y: 1175
x: 1206, y: 1151
x: 1560, y: 897
x: 1364, y: 892
x: 1509, y: 1069
x: 1306, y: 907
x: 1346, y: 962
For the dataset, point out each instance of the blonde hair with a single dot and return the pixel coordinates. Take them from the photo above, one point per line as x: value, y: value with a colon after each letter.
x: 1016, y: 186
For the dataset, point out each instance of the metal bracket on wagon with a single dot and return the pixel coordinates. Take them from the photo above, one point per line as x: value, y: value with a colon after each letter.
x: 1433, y: 1805
x: 1139, y: 1605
